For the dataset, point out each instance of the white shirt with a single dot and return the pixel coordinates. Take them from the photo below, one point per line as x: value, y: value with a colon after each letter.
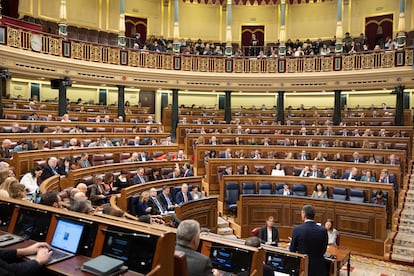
x: 269, y: 234
x: 278, y: 172
x: 30, y: 183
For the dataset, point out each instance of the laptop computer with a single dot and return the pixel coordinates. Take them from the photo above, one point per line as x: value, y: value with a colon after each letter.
x: 65, y: 241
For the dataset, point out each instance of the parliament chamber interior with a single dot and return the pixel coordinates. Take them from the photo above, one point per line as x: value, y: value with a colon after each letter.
x: 121, y: 119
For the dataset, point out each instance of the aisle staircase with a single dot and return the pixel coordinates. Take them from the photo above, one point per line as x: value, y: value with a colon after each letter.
x: 224, y: 229
x: 402, y: 248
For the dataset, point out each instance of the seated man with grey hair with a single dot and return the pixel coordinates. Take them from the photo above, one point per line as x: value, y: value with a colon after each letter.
x: 187, y: 241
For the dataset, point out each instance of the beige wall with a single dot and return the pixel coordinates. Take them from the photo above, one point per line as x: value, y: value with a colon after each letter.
x: 375, y: 98
x: 239, y: 99
x: 311, y: 20
x: 150, y: 9
x: 19, y: 88
x: 309, y: 100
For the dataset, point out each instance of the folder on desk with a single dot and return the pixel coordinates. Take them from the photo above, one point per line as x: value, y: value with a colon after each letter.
x: 104, y: 266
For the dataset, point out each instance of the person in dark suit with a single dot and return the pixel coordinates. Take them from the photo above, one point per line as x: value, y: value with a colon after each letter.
x: 10, y: 262
x: 311, y: 239
x: 139, y: 178
x: 351, y: 175
x: 154, y: 203
x: 184, y: 195
x: 50, y: 170
x: 187, y: 241
x: 166, y: 200
x: 268, y: 234
x: 174, y: 174
x: 356, y: 158
x: 386, y: 177
x: 186, y: 170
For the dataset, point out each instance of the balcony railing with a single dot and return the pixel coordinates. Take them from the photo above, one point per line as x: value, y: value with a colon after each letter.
x: 18, y: 37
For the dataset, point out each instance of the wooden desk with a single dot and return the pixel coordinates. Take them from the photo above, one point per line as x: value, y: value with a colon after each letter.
x: 342, y: 256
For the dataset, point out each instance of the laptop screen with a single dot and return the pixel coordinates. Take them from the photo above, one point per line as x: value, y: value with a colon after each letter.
x: 67, y: 236
x: 283, y: 263
x: 230, y: 259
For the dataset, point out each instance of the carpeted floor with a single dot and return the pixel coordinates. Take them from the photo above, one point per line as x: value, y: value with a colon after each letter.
x: 363, y: 266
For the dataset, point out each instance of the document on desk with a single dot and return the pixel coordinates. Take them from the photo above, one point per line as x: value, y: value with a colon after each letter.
x: 9, y: 239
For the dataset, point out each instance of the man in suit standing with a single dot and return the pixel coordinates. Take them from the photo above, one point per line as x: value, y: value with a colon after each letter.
x: 311, y: 239
x: 268, y: 234
x: 188, y: 239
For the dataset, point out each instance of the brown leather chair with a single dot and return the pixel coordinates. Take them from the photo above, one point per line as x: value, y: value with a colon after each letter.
x: 180, y: 263
x: 255, y: 232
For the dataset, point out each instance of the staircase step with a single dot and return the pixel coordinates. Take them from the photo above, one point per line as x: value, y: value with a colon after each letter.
x: 403, y: 258
x: 225, y: 231
x: 222, y: 223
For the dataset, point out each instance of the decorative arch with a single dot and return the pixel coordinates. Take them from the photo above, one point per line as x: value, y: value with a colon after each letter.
x: 377, y: 28
x: 246, y: 34
x: 135, y: 25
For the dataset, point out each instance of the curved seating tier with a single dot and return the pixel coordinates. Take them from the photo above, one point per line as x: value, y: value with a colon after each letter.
x: 309, y: 183
x: 400, y: 143
x: 26, y: 160
x: 184, y: 129
x: 362, y: 226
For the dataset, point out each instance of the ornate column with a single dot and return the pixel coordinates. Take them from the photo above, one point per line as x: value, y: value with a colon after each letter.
x: 337, y: 108
x: 63, y: 27
x: 281, y: 107
x: 174, y: 115
x: 121, y: 34
x: 121, y: 101
x: 229, y: 48
x: 227, y: 107
x: 61, y: 85
x: 399, y: 105
x: 339, y: 31
x: 4, y: 76
x: 176, y: 30
x: 401, y: 39
x: 282, y: 34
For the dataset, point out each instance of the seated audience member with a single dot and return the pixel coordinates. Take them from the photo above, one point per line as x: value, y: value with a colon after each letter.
x: 14, y: 188
x: 332, y: 232
x: 73, y: 143
x: 337, y: 157
x: 166, y: 199
x: 51, y: 199
x: 108, y: 182
x: 268, y: 234
x: 371, y: 159
x: 21, y: 146
x: 154, y: 203
x: 30, y: 181
x: 278, y: 170
x: 392, y: 160
x: 226, y: 154
x: 133, y: 158
x: 319, y: 157
x: 180, y: 155
x: 82, y: 187
x: 319, y: 191
x: 139, y: 177
x: 244, y: 170
x: 188, y: 239
x: 142, y: 207
x: 286, y: 191
x: 84, y: 161
x: 351, y: 175
x: 79, y: 196
x: 256, y: 155
x: 12, y: 264
x: 379, y: 198
x: 122, y: 181
x: 174, y: 174
x: 315, y: 173
x: 228, y: 170
x: 5, y: 150
x: 96, y: 192
x: 50, y: 170
x: 255, y: 242
x: 306, y: 172
x: 186, y: 170
x: 356, y: 158
x: 195, y: 193
x: 386, y: 177
x: 368, y: 177
x: 143, y: 156
x: 303, y: 155
x: 327, y: 173
x: 65, y: 167
x: 81, y: 206
x: 184, y: 195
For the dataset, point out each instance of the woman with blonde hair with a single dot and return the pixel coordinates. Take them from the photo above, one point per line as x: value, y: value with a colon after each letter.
x: 142, y: 207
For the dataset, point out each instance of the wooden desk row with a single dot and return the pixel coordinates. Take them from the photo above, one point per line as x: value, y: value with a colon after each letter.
x: 368, y: 187
x: 53, y: 140
x: 24, y: 161
x: 23, y: 114
x: 362, y: 226
x: 280, y: 153
x: 8, y: 103
x: 184, y: 129
x: 401, y: 143
x: 50, y: 126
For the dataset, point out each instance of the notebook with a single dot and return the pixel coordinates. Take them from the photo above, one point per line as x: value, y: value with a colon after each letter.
x: 65, y: 241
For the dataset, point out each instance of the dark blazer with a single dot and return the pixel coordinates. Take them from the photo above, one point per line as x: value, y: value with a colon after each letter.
x: 137, y: 180
x: 360, y: 160
x: 346, y: 176
x: 179, y: 197
x: 163, y: 201
x: 155, y: 210
x: 197, y: 263
x: 47, y: 172
x: 188, y: 174
x: 318, y: 174
x: 312, y: 239
x: 263, y: 235
x: 10, y: 264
